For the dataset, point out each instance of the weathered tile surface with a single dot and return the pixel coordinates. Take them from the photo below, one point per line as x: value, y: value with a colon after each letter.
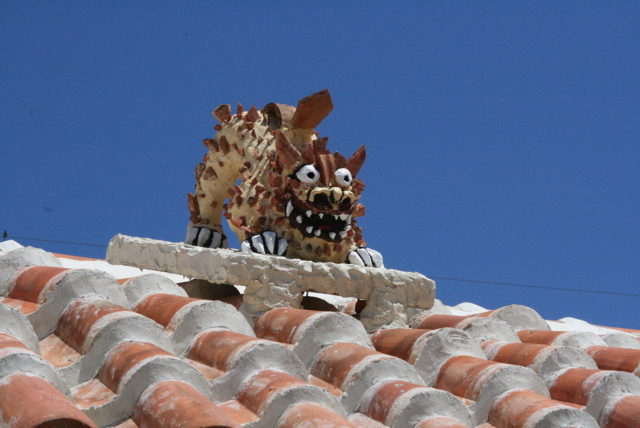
x: 85, y: 348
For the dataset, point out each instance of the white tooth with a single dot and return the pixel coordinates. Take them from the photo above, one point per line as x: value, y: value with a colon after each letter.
x: 349, y: 219
x: 299, y: 219
x: 342, y: 234
x: 332, y: 235
x: 320, y: 215
x: 317, y: 232
x: 343, y: 216
x: 308, y: 213
x: 348, y: 228
x: 309, y: 229
x: 335, y: 217
x: 289, y: 208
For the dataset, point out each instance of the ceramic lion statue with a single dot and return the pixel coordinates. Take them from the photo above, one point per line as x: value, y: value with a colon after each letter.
x: 282, y: 191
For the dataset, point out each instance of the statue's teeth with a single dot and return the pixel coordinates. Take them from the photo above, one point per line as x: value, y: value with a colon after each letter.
x: 349, y: 219
x: 317, y: 232
x: 342, y: 234
x: 332, y: 235
x: 320, y: 215
x: 299, y: 219
x: 343, y: 216
x: 335, y: 217
x: 309, y: 229
x: 308, y: 213
x: 289, y: 208
x: 348, y: 228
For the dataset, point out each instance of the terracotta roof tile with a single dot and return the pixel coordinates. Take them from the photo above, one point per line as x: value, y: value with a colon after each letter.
x: 48, y: 406
x: 22, y: 305
x: 91, y: 350
x: 312, y: 416
x: 29, y: 283
x: 609, y: 358
x: 625, y: 414
x: 174, y: 403
x: 524, y: 408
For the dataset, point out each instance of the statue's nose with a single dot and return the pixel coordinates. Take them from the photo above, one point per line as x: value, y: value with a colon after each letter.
x: 326, y: 198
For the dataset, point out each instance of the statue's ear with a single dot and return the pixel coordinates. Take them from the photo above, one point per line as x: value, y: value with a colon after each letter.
x: 355, y: 162
x: 278, y: 115
x: 312, y: 110
x: 288, y: 156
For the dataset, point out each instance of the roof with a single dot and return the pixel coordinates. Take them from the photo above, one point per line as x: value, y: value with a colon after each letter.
x: 85, y: 343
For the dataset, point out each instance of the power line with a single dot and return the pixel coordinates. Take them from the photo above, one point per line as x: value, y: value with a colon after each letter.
x: 543, y: 287
x: 6, y: 235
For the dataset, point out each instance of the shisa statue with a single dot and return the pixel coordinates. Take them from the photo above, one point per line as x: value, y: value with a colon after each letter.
x: 286, y: 194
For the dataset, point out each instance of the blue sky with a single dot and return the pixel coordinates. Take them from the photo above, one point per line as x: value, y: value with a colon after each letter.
x: 503, y: 137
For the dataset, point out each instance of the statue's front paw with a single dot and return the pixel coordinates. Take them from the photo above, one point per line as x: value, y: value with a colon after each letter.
x: 265, y: 243
x: 365, y: 257
x: 205, y: 237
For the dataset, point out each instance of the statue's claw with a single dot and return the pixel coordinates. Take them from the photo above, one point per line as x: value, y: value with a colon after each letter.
x: 265, y: 243
x: 365, y: 257
x: 205, y: 237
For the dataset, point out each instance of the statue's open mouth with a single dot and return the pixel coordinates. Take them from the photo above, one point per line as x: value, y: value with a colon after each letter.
x: 330, y: 225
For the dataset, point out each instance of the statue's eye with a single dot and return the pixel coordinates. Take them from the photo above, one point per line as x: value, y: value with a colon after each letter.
x: 343, y: 177
x: 308, y: 174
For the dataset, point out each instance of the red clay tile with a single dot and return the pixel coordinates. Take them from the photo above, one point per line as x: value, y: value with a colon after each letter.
x: 207, y: 371
x: 123, y: 358
x: 174, y: 403
x: 47, y: 407
x: 23, y: 306
x: 440, y: 422
x: 575, y: 385
x: 57, y: 352
x: 162, y: 307
x: 214, y: 348
x: 335, y: 362
x: 67, y: 256
x: 397, y: 341
x: 281, y: 324
x: 625, y: 414
x: 127, y: 424
x: 325, y: 385
x: 442, y: 320
x: 76, y: 321
x: 257, y: 391
x: 92, y: 393
x: 609, y: 358
x: 515, y: 408
x: 542, y: 337
x: 310, y: 415
x: 9, y: 341
x: 463, y: 376
x: 238, y: 412
x: 30, y: 281
x: 520, y: 354
x: 386, y: 394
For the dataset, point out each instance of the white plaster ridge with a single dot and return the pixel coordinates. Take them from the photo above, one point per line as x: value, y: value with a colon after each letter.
x: 273, y: 281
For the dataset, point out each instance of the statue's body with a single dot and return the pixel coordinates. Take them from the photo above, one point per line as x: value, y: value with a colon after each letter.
x: 287, y: 194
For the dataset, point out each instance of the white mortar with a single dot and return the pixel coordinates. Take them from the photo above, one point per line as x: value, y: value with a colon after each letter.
x: 280, y: 282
